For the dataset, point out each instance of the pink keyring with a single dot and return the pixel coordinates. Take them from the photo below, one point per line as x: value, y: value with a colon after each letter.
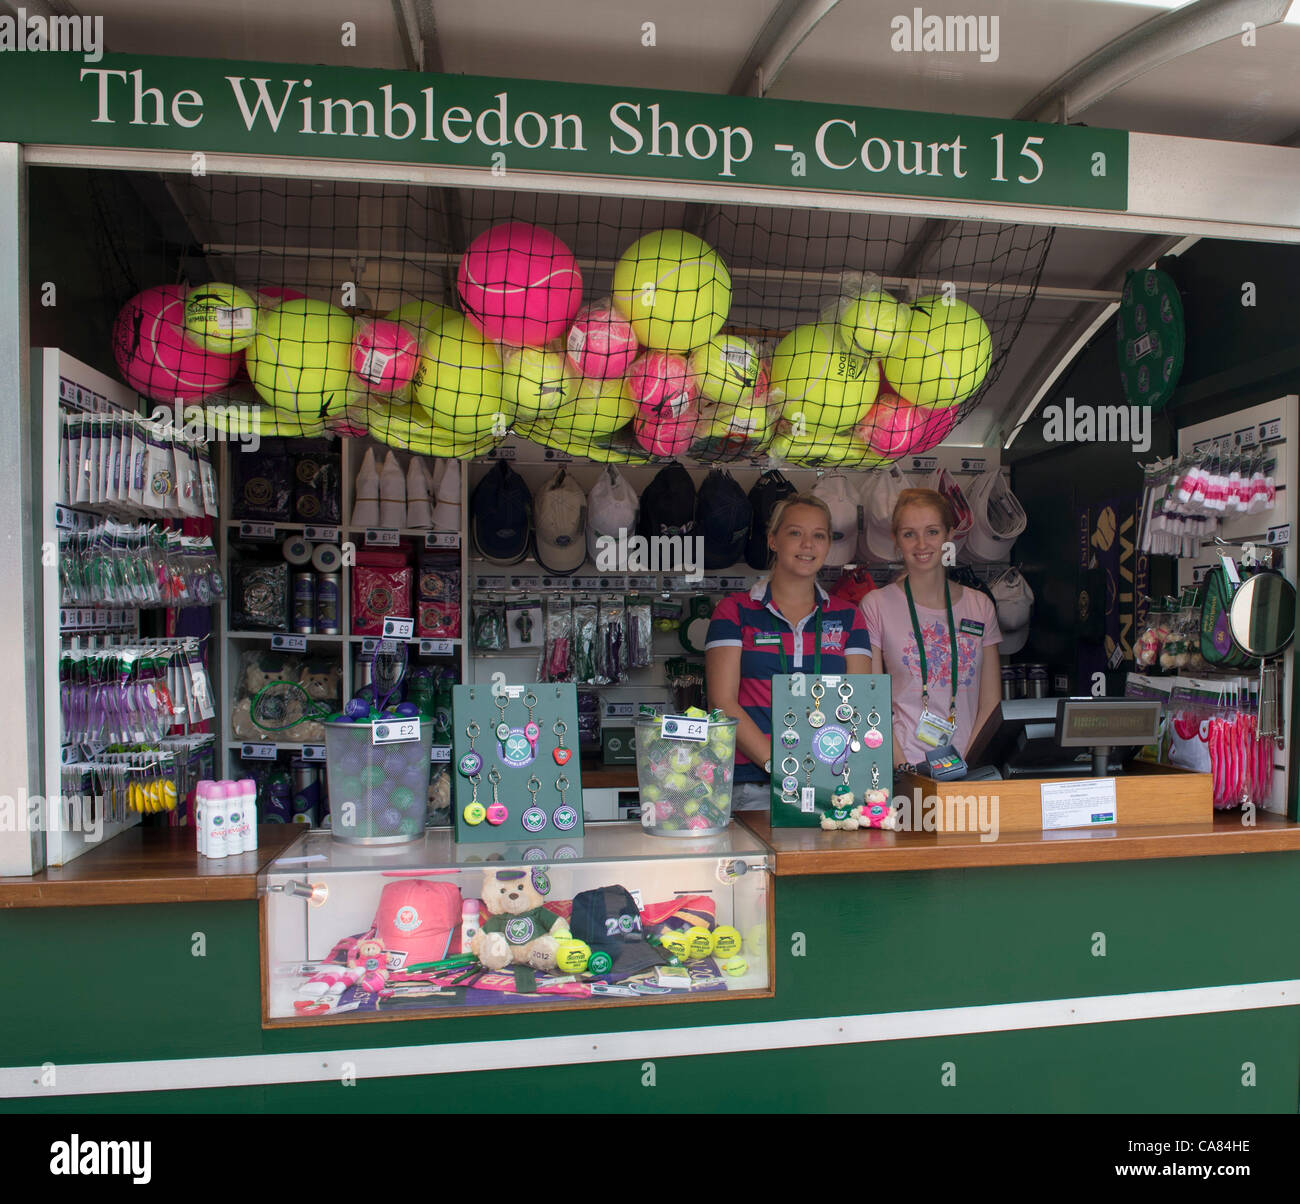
x: 497, y: 814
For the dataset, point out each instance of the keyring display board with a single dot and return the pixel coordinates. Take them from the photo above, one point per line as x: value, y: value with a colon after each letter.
x: 830, y: 714
x: 515, y: 760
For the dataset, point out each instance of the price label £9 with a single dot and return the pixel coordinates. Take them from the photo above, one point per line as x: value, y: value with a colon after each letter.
x: 681, y: 727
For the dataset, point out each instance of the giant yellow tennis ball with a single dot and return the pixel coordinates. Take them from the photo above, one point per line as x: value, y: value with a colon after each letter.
x: 600, y: 407
x: 740, y: 421
x: 422, y: 316
x: 727, y: 368
x: 537, y: 382
x: 823, y: 450
x: 458, y: 379
x: 824, y: 387
x: 407, y: 427
x: 301, y: 358
x: 220, y: 317
x: 674, y: 289
x: 871, y: 323
x: 943, y: 356
x: 261, y: 420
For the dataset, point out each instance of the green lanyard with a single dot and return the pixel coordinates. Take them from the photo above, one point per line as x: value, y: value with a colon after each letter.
x: 920, y: 646
x: 817, y: 654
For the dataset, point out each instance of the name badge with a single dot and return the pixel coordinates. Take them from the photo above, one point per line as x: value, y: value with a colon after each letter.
x: 971, y: 627
x: 933, y: 730
x: 763, y: 640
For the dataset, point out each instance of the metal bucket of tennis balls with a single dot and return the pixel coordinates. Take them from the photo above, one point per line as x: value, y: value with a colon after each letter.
x: 378, y: 793
x: 685, y: 785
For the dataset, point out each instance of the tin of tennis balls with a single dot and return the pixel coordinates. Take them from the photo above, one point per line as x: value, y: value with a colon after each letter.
x: 726, y: 941
x: 735, y: 966
x: 699, y: 943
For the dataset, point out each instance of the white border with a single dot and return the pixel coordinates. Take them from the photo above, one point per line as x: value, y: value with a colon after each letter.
x: 100, y: 1078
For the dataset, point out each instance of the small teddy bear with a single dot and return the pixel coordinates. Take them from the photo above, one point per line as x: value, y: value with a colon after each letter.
x: 518, y: 928
x: 877, y: 811
x: 370, y: 959
x: 322, y: 679
x: 262, y: 668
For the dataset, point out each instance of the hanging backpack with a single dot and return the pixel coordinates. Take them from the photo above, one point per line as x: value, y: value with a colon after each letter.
x: 769, y: 489
x: 1217, y: 645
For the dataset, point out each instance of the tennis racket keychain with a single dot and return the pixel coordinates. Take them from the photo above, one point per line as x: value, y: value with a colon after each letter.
x: 531, y: 729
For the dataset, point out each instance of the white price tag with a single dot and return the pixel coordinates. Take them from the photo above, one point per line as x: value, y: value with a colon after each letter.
x: 399, y: 629
x: 526, y: 582
x: 435, y: 647
x: 586, y: 583
x: 558, y: 457
x: 382, y: 537
x: 394, y: 731
x: 369, y: 644
x: 808, y: 800
x: 618, y: 710
x: 710, y: 584
x: 1199, y: 571
x: 63, y: 519
x: 681, y: 727
x: 256, y: 530
x: 258, y: 752
x: 1280, y: 536
x: 1272, y: 429
x: 732, y: 583
x: 1247, y: 437
x: 642, y: 582
x: 289, y: 643
x: 678, y: 581
x: 507, y: 452
x: 973, y: 464
x: 440, y: 752
x: 321, y: 534
x: 313, y: 752
x: 442, y: 539
x: 925, y: 463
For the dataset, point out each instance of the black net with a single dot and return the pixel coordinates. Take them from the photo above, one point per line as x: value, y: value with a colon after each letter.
x: 620, y: 330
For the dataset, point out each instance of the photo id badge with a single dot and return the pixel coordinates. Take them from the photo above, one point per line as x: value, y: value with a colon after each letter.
x: 933, y: 730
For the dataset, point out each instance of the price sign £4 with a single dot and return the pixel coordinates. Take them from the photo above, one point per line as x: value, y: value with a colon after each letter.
x: 682, y: 727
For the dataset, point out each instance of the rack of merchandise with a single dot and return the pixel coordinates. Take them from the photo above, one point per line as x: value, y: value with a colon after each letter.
x: 122, y: 746
x: 294, y: 653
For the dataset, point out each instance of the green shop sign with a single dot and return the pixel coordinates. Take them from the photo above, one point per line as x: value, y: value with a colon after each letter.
x: 212, y: 106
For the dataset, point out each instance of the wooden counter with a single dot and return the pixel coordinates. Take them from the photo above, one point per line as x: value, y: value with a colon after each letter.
x: 811, y: 851
x: 156, y: 865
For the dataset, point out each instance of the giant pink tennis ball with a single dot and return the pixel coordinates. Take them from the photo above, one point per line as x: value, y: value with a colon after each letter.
x: 895, y: 427
x: 665, y: 432
x: 660, y: 380
x: 601, y: 342
x: 384, y: 355
x: 936, y: 429
x: 519, y: 284
x: 154, y: 356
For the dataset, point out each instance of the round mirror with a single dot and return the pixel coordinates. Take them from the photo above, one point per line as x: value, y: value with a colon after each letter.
x: 1262, y: 614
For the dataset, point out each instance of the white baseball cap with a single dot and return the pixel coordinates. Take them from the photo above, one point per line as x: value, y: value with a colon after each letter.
x: 611, y: 507
x: 879, y: 494
x: 559, y: 516
x: 839, y: 497
x: 1014, y: 600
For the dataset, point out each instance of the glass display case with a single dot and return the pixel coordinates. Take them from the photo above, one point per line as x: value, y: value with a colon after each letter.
x: 433, y: 927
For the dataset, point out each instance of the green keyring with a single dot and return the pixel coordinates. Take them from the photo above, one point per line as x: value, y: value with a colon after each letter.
x: 600, y: 962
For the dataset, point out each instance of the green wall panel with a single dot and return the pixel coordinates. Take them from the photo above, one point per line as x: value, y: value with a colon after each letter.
x: 121, y: 983
x: 1185, y: 1064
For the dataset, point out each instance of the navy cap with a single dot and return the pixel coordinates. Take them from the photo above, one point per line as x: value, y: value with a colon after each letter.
x: 501, y: 508
x: 769, y: 489
x: 722, y: 516
x: 668, y: 503
x: 609, y: 921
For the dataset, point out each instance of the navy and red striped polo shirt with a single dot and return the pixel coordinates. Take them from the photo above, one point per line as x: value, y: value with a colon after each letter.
x: 752, y: 623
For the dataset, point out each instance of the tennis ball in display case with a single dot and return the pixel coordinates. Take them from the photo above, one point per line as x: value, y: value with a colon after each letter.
x: 699, y: 943
x: 572, y: 955
x: 735, y: 966
x: 727, y: 941
x: 675, y: 942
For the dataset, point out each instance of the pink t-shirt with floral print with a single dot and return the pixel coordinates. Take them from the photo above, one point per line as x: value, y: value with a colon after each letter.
x: 890, y: 628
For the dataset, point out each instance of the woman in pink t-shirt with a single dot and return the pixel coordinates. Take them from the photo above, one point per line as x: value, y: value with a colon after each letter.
x: 927, y: 709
